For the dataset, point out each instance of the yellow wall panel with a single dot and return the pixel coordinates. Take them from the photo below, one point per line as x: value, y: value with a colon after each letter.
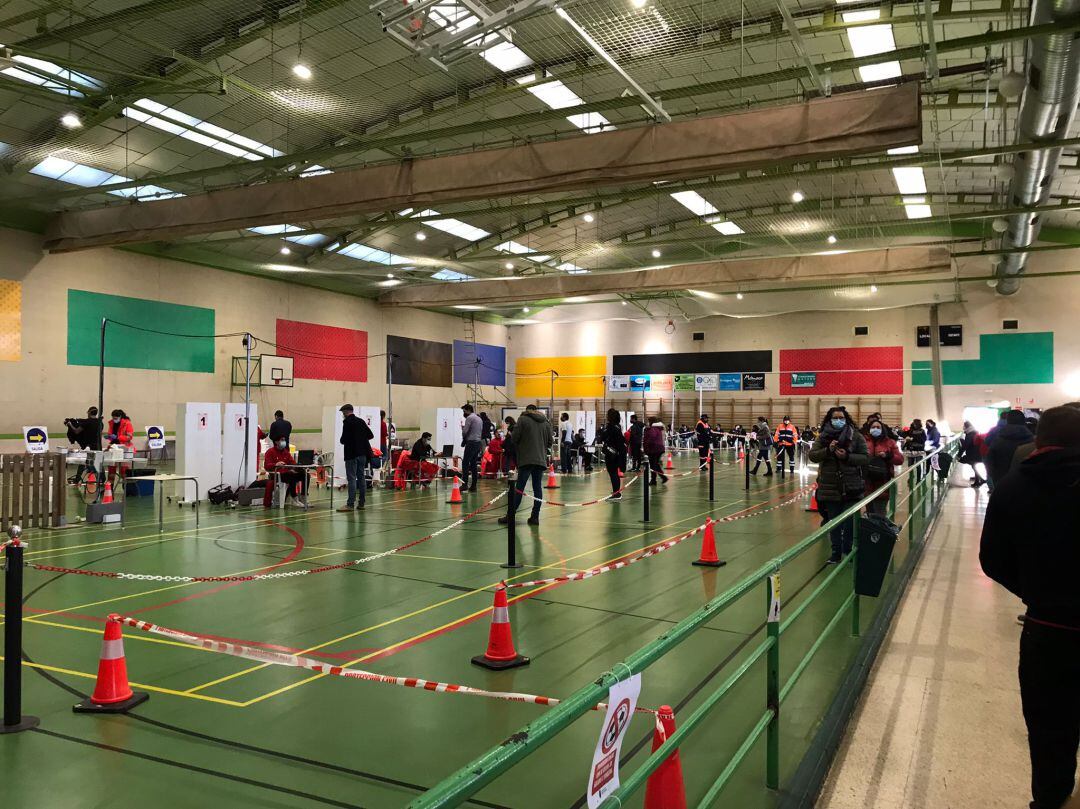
x: 579, y: 377
x: 10, y: 321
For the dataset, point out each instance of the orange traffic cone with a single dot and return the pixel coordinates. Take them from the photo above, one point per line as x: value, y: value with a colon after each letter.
x: 107, y: 497
x: 500, y: 652
x: 811, y: 505
x: 670, y: 463
x: 741, y: 453
x: 455, y: 492
x: 112, y: 693
x: 708, y: 548
x: 551, y: 482
x: 665, y: 789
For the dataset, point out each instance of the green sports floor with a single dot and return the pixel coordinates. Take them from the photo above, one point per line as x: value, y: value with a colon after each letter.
x: 220, y: 730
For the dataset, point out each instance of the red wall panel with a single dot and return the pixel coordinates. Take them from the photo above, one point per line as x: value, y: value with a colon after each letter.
x: 870, y: 371
x: 323, y: 352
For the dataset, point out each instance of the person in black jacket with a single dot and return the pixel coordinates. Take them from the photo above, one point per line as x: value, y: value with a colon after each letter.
x: 841, y: 455
x: 1029, y: 546
x: 703, y: 432
x: 637, y: 433
x: 280, y: 428
x: 614, y: 443
x: 999, y: 455
x: 356, y: 448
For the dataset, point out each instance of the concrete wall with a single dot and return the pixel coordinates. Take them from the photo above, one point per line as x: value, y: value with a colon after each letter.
x: 1041, y: 305
x: 42, y: 388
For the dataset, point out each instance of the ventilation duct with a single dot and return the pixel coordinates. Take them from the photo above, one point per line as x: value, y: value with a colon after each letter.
x: 1046, y: 113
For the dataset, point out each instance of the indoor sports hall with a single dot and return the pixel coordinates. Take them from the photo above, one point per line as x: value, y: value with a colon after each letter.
x: 539, y: 404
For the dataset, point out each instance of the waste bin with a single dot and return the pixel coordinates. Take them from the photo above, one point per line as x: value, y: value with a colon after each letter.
x: 877, y: 536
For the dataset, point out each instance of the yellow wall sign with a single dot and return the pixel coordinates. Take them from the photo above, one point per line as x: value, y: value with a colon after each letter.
x: 578, y: 377
x: 10, y: 321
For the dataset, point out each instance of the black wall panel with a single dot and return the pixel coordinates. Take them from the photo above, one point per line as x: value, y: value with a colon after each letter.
x: 704, y: 362
x: 420, y: 362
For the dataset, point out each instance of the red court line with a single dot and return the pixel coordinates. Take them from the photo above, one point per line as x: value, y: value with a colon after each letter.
x: 298, y: 547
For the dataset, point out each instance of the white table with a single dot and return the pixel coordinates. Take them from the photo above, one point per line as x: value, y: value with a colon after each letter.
x: 161, y: 495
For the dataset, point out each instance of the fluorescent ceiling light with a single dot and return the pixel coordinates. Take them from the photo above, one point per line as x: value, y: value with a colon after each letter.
x: 362, y: 252
x: 910, y: 180
x: 904, y: 150
x: 577, y: 299
x: 57, y: 168
x: 728, y: 228
x: 701, y: 293
x: 522, y: 322
x: 301, y: 71
x: 446, y: 274
x: 696, y: 203
x: 468, y: 307
x: 390, y: 282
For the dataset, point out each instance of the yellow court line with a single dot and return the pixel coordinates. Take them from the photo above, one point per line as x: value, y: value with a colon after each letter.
x: 133, y: 636
x: 154, y: 688
x: 440, y: 604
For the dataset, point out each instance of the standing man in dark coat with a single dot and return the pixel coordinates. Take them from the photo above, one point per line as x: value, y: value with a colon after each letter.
x: 280, y: 428
x: 999, y: 456
x: 356, y: 447
x: 1031, y: 546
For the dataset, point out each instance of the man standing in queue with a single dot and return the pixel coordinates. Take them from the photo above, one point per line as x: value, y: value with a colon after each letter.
x: 356, y: 449
x: 532, y: 443
x: 704, y: 439
x: 472, y: 435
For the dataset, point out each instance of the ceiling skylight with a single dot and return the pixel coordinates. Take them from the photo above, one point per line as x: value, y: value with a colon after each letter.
x: 517, y: 248
x: 274, y: 230
x: 696, y: 203
x: 727, y: 228
x: 558, y: 96
x: 361, y: 252
x: 446, y: 274
x: 910, y: 180
x: 66, y: 171
x: 455, y: 227
x: 915, y: 208
x: 66, y: 83
x: 572, y: 269
x: 506, y: 57
x: 186, y: 126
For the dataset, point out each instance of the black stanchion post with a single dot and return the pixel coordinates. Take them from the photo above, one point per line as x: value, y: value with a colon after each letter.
x: 511, y: 527
x: 14, y: 721
x: 646, y: 488
x: 746, y: 460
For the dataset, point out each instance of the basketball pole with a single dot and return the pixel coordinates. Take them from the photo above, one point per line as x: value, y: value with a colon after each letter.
x: 247, y: 408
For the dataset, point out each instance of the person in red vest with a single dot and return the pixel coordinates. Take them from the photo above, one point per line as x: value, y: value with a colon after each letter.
x: 120, y: 430
x: 278, y: 462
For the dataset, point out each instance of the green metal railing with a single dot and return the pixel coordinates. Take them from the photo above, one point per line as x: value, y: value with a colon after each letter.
x: 925, y: 493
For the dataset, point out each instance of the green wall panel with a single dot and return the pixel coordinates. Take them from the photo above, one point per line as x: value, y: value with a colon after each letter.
x: 1004, y: 359
x: 131, y: 348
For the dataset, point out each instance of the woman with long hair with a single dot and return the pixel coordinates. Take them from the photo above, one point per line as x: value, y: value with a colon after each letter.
x: 841, y: 455
x: 614, y: 443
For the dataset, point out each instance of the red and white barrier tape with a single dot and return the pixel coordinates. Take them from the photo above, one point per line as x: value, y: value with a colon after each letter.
x: 288, y: 574
x: 596, y: 571
x: 270, y: 657
x: 593, y: 502
x: 653, y: 551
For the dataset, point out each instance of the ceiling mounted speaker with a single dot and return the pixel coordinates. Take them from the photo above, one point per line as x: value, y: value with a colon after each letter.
x: 1011, y: 85
x: 1000, y: 225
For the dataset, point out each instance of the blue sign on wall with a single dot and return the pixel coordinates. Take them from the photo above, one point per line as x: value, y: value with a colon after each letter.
x: 640, y: 382
x: 730, y: 381
x: 491, y: 369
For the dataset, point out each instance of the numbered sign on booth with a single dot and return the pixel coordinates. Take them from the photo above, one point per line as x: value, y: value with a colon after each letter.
x: 155, y: 437
x: 36, y: 439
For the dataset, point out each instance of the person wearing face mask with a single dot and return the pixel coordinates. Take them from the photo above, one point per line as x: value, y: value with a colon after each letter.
x: 786, y: 438
x: 764, y: 441
x: 278, y: 463
x: 841, y: 455
x: 885, y: 456
x: 915, y: 447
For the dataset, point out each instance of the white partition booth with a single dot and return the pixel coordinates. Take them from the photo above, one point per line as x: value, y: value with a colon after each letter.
x: 371, y: 416
x: 234, y: 427
x: 331, y: 438
x: 585, y: 420
x: 198, y: 445
x: 448, y: 422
